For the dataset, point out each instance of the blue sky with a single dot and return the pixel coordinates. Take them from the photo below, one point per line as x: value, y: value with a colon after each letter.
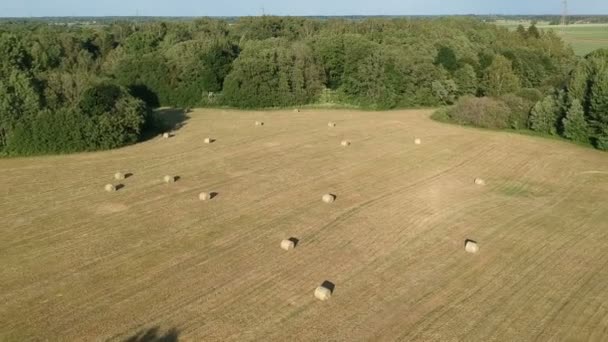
x: 10, y: 8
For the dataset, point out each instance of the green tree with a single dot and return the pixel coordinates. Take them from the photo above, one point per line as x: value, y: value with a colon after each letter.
x: 521, y: 30
x: 533, y: 32
x: 499, y: 78
x: 19, y: 100
x: 575, y: 125
x: 598, y: 109
x: 115, y: 117
x: 544, y: 116
x: 445, y: 91
x: 273, y: 73
x: 466, y: 80
x: 447, y: 58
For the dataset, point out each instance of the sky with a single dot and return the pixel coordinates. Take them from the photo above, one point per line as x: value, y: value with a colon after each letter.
x: 37, y: 8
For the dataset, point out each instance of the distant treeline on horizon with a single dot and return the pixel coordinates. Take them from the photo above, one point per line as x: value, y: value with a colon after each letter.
x: 603, y: 18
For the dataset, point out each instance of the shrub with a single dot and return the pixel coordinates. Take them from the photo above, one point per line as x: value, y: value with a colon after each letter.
x: 520, y: 110
x: 60, y: 131
x: 482, y: 112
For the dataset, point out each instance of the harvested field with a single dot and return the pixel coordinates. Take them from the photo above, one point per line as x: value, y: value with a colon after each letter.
x: 81, y: 264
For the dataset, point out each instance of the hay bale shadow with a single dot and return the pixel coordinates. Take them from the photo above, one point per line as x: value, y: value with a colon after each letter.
x: 177, y: 178
x: 166, y: 120
x: 129, y: 175
x: 329, y: 285
x: 467, y: 241
x: 295, y: 241
x: 213, y: 195
x: 119, y: 187
x: 153, y: 335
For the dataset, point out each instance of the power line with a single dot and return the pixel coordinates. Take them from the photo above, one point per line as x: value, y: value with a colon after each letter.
x: 564, y: 14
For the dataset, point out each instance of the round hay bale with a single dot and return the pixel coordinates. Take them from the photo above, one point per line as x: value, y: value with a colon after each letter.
x: 329, y: 198
x: 345, y: 143
x: 259, y: 123
x: 166, y: 135
x: 169, y: 179
x: 297, y: 110
x: 110, y: 188
x: 479, y: 181
x: 471, y: 246
x: 208, y: 140
x: 418, y: 141
x: 322, y: 293
x: 331, y: 124
x: 204, y: 196
x: 288, y: 245
x: 119, y: 176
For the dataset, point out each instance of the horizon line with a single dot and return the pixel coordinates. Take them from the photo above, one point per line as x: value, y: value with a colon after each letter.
x: 291, y: 15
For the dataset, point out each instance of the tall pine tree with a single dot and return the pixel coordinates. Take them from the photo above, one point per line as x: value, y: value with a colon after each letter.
x: 575, y: 125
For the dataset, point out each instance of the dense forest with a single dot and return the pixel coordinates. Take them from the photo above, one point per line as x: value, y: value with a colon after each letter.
x: 74, y: 88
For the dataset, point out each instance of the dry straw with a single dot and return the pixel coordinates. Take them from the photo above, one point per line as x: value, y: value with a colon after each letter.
x: 119, y: 176
x: 329, y: 198
x: 208, y: 140
x: 169, y: 179
x: 204, y: 196
x: 166, y: 135
x: 110, y: 188
x: 479, y: 181
x: 322, y: 293
x: 288, y: 245
x: 471, y: 246
x: 418, y: 141
x: 345, y: 143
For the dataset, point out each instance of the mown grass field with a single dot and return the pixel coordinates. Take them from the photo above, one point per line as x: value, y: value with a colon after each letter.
x: 80, y: 264
x: 584, y: 38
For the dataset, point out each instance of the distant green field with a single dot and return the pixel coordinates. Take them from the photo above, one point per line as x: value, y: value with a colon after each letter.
x: 584, y: 38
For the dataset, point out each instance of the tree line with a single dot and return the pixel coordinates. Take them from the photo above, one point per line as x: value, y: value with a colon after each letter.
x: 67, y: 89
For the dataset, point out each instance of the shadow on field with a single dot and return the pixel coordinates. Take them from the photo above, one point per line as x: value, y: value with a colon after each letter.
x: 329, y: 285
x: 164, y: 121
x: 295, y: 241
x: 153, y: 335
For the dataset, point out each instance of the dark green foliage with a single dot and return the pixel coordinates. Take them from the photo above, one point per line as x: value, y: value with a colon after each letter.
x: 522, y: 31
x: 330, y: 51
x: 519, y: 107
x: 466, y: 80
x: 106, y: 117
x: 575, y: 125
x: 19, y: 101
x: 99, y: 99
x: 533, y: 32
x: 64, y: 80
x: 598, y: 108
x: 544, y: 116
x: 447, y: 58
x: 149, y: 78
x: 60, y: 131
x: 273, y: 73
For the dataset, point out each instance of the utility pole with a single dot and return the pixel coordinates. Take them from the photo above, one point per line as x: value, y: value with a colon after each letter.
x: 564, y: 15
